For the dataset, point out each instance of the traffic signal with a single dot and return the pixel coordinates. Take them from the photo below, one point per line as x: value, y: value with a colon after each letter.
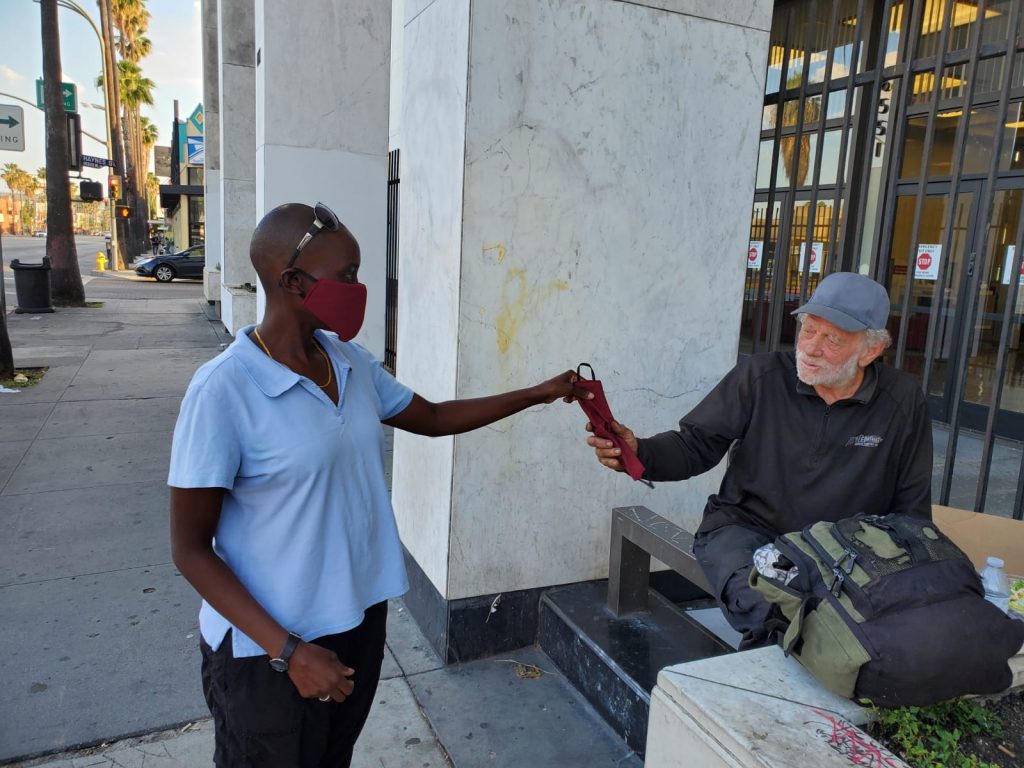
x: 123, y: 212
x: 114, y: 187
x: 90, y: 191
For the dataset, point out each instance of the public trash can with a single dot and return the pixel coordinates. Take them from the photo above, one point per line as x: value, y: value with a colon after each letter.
x: 32, y: 285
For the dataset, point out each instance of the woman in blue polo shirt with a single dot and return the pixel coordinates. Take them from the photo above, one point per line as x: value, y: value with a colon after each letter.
x: 280, y: 513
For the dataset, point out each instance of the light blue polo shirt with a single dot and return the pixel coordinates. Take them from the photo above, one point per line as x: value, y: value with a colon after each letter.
x: 306, y: 524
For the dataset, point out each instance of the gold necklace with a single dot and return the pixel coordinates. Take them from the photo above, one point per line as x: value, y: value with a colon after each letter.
x: 330, y: 368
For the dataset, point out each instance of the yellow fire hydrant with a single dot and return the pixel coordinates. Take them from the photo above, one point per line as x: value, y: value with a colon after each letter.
x: 101, y: 262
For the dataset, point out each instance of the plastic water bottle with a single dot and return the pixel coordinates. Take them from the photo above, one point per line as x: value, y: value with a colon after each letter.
x: 997, y: 586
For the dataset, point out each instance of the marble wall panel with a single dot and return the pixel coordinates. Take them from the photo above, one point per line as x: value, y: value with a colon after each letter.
x: 214, y: 227
x: 413, y: 8
x: 211, y: 133
x: 395, y: 92
x: 238, y: 173
x: 747, y: 13
x: 325, y: 74
x: 235, y: 19
x: 609, y: 171
x: 211, y: 84
x: 433, y: 148
x: 237, y: 122
x: 238, y: 203
x: 355, y: 187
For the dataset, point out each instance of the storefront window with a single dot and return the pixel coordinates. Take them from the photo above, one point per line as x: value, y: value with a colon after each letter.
x: 995, y: 29
x: 1011, y: 156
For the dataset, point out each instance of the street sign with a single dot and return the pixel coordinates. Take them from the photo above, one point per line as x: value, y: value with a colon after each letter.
x: 68, y: 90
x: 90, y: 161
x: 12, y: 128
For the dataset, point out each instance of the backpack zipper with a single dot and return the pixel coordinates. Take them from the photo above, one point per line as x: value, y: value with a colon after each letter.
x: 839, y: 573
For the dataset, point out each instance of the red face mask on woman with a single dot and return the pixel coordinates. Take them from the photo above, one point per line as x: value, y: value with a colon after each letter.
x: 339, y: 306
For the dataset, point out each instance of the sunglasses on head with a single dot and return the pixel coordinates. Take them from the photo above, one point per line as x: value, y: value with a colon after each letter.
x: 323, y: 218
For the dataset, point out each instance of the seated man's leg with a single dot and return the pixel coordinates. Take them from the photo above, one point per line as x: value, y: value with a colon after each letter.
x: 726, y: 557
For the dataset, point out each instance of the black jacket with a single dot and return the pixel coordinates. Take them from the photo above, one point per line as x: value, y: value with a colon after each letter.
x: 795, y: 460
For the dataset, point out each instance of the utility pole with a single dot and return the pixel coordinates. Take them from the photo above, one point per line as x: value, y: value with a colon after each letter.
x: 111, y: 87
x: 65, y: 277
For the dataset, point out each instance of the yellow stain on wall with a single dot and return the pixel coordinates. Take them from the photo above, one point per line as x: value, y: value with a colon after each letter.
x: 514, y: 308
x: 499, y: 247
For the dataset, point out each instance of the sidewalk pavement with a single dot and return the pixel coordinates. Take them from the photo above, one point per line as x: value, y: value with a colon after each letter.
x: 99, y: 633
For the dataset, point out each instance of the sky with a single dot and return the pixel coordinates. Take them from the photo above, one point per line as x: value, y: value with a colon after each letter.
x: 175, y: 65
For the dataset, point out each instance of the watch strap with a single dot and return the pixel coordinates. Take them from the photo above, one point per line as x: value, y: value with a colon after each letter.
x: 280, y: 662
x: 289, y: 646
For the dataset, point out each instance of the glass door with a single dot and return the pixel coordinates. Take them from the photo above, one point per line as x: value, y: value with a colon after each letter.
x: 765, y: 226
x: 984, y: 338
x: 938, y: 282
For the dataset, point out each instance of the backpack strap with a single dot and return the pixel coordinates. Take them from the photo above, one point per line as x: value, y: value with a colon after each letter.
x: 794, y: 632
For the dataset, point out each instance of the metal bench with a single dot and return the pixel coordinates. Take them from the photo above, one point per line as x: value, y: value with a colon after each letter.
x: 637, y: 534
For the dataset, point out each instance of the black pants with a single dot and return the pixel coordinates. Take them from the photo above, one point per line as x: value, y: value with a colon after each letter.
x: 726, y: 557
x: 261, y: 721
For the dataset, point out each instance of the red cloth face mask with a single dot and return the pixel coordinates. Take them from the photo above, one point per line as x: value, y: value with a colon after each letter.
x: 600, y: 415
x: 339, y: 306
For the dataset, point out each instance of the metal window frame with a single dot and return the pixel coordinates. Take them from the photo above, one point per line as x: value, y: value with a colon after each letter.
x: 391, y: 268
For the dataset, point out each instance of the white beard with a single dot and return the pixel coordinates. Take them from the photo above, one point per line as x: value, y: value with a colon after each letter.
x: 826, y: 375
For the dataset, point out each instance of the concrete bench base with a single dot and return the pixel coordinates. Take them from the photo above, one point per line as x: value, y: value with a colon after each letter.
x: 759, y: 709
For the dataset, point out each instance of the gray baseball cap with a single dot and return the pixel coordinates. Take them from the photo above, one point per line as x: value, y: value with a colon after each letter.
x: 849, y: 301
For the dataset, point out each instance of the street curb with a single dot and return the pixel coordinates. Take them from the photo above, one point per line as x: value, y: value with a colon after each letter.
x: 123, y: 274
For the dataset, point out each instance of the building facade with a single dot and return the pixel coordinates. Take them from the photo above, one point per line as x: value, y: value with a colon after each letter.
x: 891, y: 143
x: 577, y: 182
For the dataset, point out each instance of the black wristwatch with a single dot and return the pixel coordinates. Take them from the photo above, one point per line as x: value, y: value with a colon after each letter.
x: 280, y: 663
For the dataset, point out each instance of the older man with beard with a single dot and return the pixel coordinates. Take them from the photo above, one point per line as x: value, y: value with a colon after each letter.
x: 822, y: 433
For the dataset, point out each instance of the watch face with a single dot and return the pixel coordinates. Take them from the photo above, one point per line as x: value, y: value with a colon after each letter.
x: 279, y: 665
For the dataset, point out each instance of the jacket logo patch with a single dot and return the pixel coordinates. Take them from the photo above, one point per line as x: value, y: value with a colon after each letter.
x: 864, y: 441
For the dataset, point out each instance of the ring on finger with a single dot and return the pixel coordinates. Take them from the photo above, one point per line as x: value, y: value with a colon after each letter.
x: 325, y: 698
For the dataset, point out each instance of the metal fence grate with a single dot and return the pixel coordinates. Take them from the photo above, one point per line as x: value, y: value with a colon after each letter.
x: 391, y: 278
x: 892, y: 143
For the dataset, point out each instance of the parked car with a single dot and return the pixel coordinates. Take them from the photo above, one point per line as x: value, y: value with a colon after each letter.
x: 39, y: 234
x: 187, y: 263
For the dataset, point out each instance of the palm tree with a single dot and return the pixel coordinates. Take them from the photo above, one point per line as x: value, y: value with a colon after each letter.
x: 136, y: 90
x: 10, y: 177
x: 113, y: 99
x: 149, y: 136
x: 152, y: 193
x: 19, y: 181
x: 65, y: 278
x: 131, y: 19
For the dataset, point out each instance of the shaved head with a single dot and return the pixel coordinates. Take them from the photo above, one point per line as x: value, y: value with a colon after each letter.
x: 276, y: 238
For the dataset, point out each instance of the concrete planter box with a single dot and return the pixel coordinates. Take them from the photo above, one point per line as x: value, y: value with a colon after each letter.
x: 211, y: 284
x: 238, y: 307
x: 759, y: 709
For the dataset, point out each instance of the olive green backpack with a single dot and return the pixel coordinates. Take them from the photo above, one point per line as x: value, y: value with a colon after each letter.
x: 887, y: 609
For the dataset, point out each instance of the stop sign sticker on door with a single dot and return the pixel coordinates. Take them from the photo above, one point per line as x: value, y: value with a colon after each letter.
x: 816, y: 249
x: 754, y: 254
x: 929, y: 257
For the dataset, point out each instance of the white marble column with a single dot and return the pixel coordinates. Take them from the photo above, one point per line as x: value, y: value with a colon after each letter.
x: 576, y: 181
x: 212, y: 173
x: 322, y: 81
x: 237, y: 60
